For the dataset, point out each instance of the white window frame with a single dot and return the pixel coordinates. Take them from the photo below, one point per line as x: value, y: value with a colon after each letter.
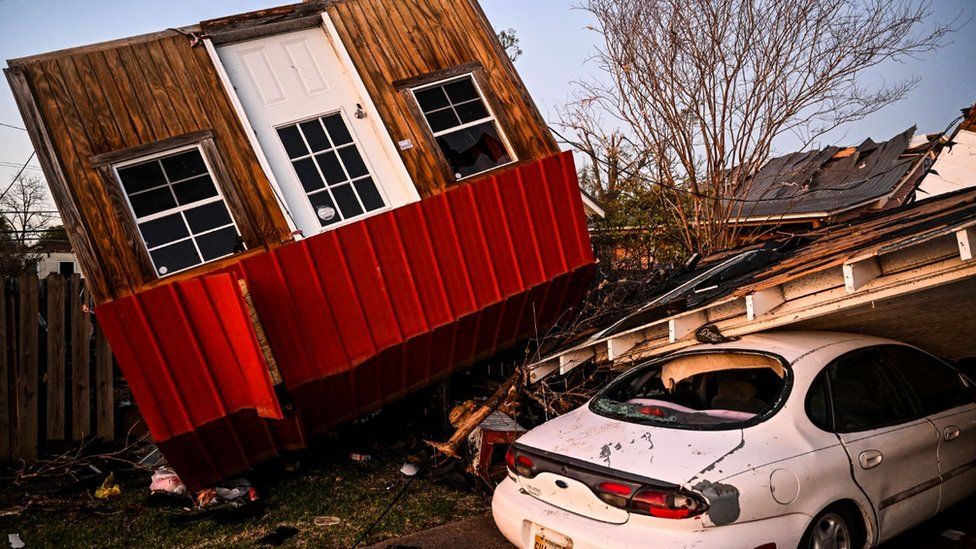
x: 180, y: 209
x: 328, y: 188
x: 490, y: 118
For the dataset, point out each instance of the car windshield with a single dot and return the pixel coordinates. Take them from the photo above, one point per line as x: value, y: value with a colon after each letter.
x: 705, y: 389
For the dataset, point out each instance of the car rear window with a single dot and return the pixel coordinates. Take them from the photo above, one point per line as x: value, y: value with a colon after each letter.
x: 697, y: 390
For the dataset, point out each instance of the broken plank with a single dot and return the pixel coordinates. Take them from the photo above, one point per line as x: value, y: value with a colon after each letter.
x: 542, y: 369
x: 617, y: 346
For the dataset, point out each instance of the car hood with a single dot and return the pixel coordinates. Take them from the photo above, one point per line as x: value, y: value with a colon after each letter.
x: 676, y: 456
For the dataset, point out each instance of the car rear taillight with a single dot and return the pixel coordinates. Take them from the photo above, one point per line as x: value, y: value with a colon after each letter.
x: 519, y: 463
x: 524, y: 466
x: 663, y: 503
x: 614, y: 493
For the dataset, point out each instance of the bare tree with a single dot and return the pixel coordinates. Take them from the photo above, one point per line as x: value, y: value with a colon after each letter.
x: 26, y: 216
x: 698, y: 91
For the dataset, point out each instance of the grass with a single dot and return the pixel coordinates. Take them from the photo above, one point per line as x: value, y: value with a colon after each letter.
x: 327, y: 483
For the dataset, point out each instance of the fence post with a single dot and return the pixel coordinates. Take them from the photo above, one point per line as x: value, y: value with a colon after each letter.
x: 80, y: 373
x: 5, y: 409
x: 104, y: 387
x: 55, y: 357
x: 26, y: 372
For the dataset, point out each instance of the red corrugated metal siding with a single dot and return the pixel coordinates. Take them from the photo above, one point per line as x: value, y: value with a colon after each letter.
x: 355, y: 317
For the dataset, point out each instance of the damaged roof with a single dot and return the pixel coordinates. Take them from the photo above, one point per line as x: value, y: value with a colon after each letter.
x: 751, y: 269
x: 834, y: 179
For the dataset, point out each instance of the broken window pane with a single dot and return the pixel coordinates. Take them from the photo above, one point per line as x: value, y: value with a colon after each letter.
x: 464, y: 129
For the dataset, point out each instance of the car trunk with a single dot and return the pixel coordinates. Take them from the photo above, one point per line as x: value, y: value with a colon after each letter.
x: 582, y: 449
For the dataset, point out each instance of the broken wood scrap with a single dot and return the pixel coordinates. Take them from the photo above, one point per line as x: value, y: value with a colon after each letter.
x: 470, y: 421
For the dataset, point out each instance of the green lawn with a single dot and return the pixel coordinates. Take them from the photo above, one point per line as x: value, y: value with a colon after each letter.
x: 354, y: 492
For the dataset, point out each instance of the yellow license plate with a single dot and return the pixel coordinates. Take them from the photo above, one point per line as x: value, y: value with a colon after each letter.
x: 542, y: 542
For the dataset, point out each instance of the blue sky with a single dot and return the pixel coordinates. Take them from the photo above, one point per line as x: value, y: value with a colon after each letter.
x: 553, y: 36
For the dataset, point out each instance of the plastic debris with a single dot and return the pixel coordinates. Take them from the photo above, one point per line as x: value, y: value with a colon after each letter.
x: 954, y: 535
x: 237, y: 489
x: 326, y: 521
x: 166, y: 481
x: 207, y: 498
x: 409, y: 469
x: 109, y: 488
x: 15, y: 541
x: 360, y: 457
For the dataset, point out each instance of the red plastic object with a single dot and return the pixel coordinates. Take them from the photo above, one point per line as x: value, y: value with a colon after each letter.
x: 355, y: 317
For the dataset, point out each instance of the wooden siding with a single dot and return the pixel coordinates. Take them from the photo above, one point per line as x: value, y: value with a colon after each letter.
x: 393, y: 41
x: 98, y: 100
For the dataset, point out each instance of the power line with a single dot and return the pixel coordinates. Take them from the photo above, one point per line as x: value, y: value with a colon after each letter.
x: 6, y: 164
x: 24, y: 167
x: 12, y: 126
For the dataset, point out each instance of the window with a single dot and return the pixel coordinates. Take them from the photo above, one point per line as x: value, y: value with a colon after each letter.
x: 867, y: 394
x: 463, y: 126
x: 331, y: 169
x: 937, y: 385
x: 66, y: 268
x: 719, y: 390
x: 817, y: 406
x: 179, y: 210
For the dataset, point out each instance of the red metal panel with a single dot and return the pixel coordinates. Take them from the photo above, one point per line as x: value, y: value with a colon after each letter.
x: 355, y: 317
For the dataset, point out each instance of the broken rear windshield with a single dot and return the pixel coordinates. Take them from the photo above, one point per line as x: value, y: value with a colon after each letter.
x: 703, y: 390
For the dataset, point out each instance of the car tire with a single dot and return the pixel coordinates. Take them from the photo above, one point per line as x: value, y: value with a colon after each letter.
x: 836, y: 527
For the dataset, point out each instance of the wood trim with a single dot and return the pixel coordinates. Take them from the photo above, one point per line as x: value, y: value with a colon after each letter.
x: 127, y: 221
x: 232, y: 194
x: 102, y: 46
x: 268, y: 28
x: 163, y: 145
x: 58, y: 182
x: 435, y: 76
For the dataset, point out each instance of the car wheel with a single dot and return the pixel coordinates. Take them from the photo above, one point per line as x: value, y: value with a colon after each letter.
x: 833, y: 528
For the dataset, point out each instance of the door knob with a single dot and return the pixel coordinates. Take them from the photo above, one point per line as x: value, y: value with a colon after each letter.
x: 870, y: 459
x: 951, y: 433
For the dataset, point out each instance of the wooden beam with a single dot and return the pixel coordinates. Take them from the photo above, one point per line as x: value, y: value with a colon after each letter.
x: 682, y: 326
x: 859, y: 272
x: 617, y: 346
x: 967, y: 243
x: 572, y: 359
x: 542, y: 369
x: 763, y: 301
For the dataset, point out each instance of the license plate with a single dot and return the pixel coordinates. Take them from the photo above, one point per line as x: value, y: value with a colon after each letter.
x: 544, y: 540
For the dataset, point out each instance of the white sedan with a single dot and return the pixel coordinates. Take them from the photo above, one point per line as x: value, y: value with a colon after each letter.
x: 778, y: 440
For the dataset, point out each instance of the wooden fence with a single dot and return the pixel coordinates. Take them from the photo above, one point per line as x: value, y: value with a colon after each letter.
x: 57, y: 376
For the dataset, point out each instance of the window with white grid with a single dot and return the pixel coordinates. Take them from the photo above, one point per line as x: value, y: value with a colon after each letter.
x: 463, y: 126
x: 179, y: 210
x: 331, y: 168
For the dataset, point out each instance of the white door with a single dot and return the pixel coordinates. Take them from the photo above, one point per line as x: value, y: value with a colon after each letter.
x: 893, y: 451
x: 334, y: 163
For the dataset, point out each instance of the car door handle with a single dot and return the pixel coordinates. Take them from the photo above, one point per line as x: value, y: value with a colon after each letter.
x: 950, y: 433
x: 870, y: 459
